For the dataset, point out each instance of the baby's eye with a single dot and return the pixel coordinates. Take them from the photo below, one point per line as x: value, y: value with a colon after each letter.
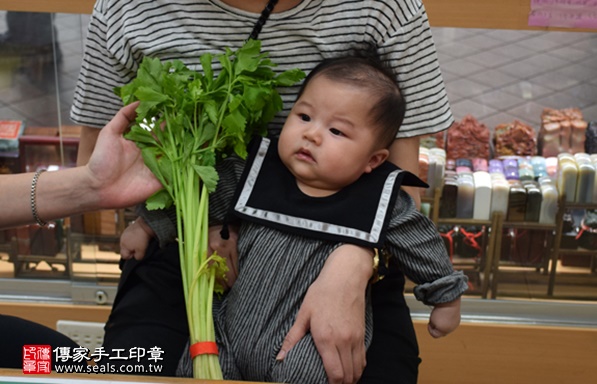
x: 304, y: 117
x: 336, y: 131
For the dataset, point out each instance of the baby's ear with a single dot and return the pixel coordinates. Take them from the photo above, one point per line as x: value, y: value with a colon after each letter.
x: 377, y: 158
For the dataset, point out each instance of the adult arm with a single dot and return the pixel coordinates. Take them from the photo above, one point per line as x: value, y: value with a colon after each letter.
x: 407, y: 48
x: 87, y: 142
x: 94, y: 101
x: 114, y: 177
x: 334, y: 312
x: 404, y: 153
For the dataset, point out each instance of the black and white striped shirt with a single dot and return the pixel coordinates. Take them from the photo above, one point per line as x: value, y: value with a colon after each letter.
x: 121, y: 33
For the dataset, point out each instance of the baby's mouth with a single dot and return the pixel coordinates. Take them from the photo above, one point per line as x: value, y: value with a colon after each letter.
x: 305, y: 154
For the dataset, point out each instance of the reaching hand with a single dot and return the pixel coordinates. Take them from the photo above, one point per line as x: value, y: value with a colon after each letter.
x: 116, y: 169
x: 334, y: 312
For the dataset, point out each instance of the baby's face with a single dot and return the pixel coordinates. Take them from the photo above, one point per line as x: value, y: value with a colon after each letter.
x: 328, y: 141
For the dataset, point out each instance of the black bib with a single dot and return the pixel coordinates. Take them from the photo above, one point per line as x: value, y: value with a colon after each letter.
x: 359, y: 213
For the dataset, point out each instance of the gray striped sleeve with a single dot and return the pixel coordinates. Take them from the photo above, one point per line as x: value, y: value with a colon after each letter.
x: 415, y: 243
x: 220, y: 201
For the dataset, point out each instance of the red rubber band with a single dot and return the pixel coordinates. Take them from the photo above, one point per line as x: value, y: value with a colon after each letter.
x: 203, y: 348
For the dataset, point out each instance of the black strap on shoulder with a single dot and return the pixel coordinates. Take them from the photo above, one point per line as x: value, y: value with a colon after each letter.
x: 262, y: 19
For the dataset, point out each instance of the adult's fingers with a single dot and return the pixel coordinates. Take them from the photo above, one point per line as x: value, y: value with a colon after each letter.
x: 298, y: 330
x: 123, y: 119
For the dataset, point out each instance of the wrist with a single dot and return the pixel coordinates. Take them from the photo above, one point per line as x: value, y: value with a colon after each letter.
x: 82, y: 193
x: 145, y: 227
x: 90, y: 189
x: 355, y: 260
x: 449, y: 304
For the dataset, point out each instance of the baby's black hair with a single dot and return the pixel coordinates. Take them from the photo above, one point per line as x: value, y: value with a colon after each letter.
x: 365, y: 70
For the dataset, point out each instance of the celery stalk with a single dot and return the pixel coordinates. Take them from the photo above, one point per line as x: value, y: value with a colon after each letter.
x: 186, y: 120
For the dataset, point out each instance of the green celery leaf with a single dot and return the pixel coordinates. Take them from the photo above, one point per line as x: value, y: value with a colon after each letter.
x: 150, y: 71
x: 234, y: 103
x: 195, y: 89
x: 159, y: 200
x: 218, y: 263
x: 240, y: 148
x: 211, y: 108
x: 208, y: 175
x: 179, y: 66
x: 206, y: 60
x: 148, y: 94
x: 255, y: 97
x: 247, y: 59
x: 234, y: 123
x: 290, y: 77
x: 271, y: 108
x: 165, y: 166
x: 140, y: 135
x: 207, y: 133
x: 150, y: 157
x: 147, y: 108
x: 208, y: 158
x: 127, y: 92
x: 227, y: 69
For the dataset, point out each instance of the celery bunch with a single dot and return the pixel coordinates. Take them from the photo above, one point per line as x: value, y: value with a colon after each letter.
x: 186, y: 120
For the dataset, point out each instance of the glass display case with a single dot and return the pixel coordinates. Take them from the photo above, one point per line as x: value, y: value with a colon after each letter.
x: 74, y: 259
x: 494, y: 74
x: 495, y: 67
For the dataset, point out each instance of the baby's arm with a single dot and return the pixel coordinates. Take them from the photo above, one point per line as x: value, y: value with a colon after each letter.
x: 415, y: 245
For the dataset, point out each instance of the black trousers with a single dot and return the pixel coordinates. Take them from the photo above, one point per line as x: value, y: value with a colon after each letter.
x: 149, y: 311
x: 16, y: 332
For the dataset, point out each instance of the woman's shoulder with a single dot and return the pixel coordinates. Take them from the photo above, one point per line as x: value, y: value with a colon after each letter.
x: 402, y: 11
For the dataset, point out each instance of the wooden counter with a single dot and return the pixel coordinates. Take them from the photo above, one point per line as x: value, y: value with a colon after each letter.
x: 7, y: 376
x: 474, y: 353
x: 514, y: 354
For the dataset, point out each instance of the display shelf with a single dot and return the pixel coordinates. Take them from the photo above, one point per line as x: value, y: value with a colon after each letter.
x: 528, y: 225
x: 558, y: 250
x: 549, y: 263
x: 484, y: 264
x: 495, y: 228
x: 463, y: 222
x: 497, y: 262
x: 489, y: 265
x: 533, y: 226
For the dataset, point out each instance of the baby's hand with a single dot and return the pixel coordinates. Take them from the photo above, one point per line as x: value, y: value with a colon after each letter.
x: 228, y: 250
x: 134, y: 240
x: 444, y: 318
